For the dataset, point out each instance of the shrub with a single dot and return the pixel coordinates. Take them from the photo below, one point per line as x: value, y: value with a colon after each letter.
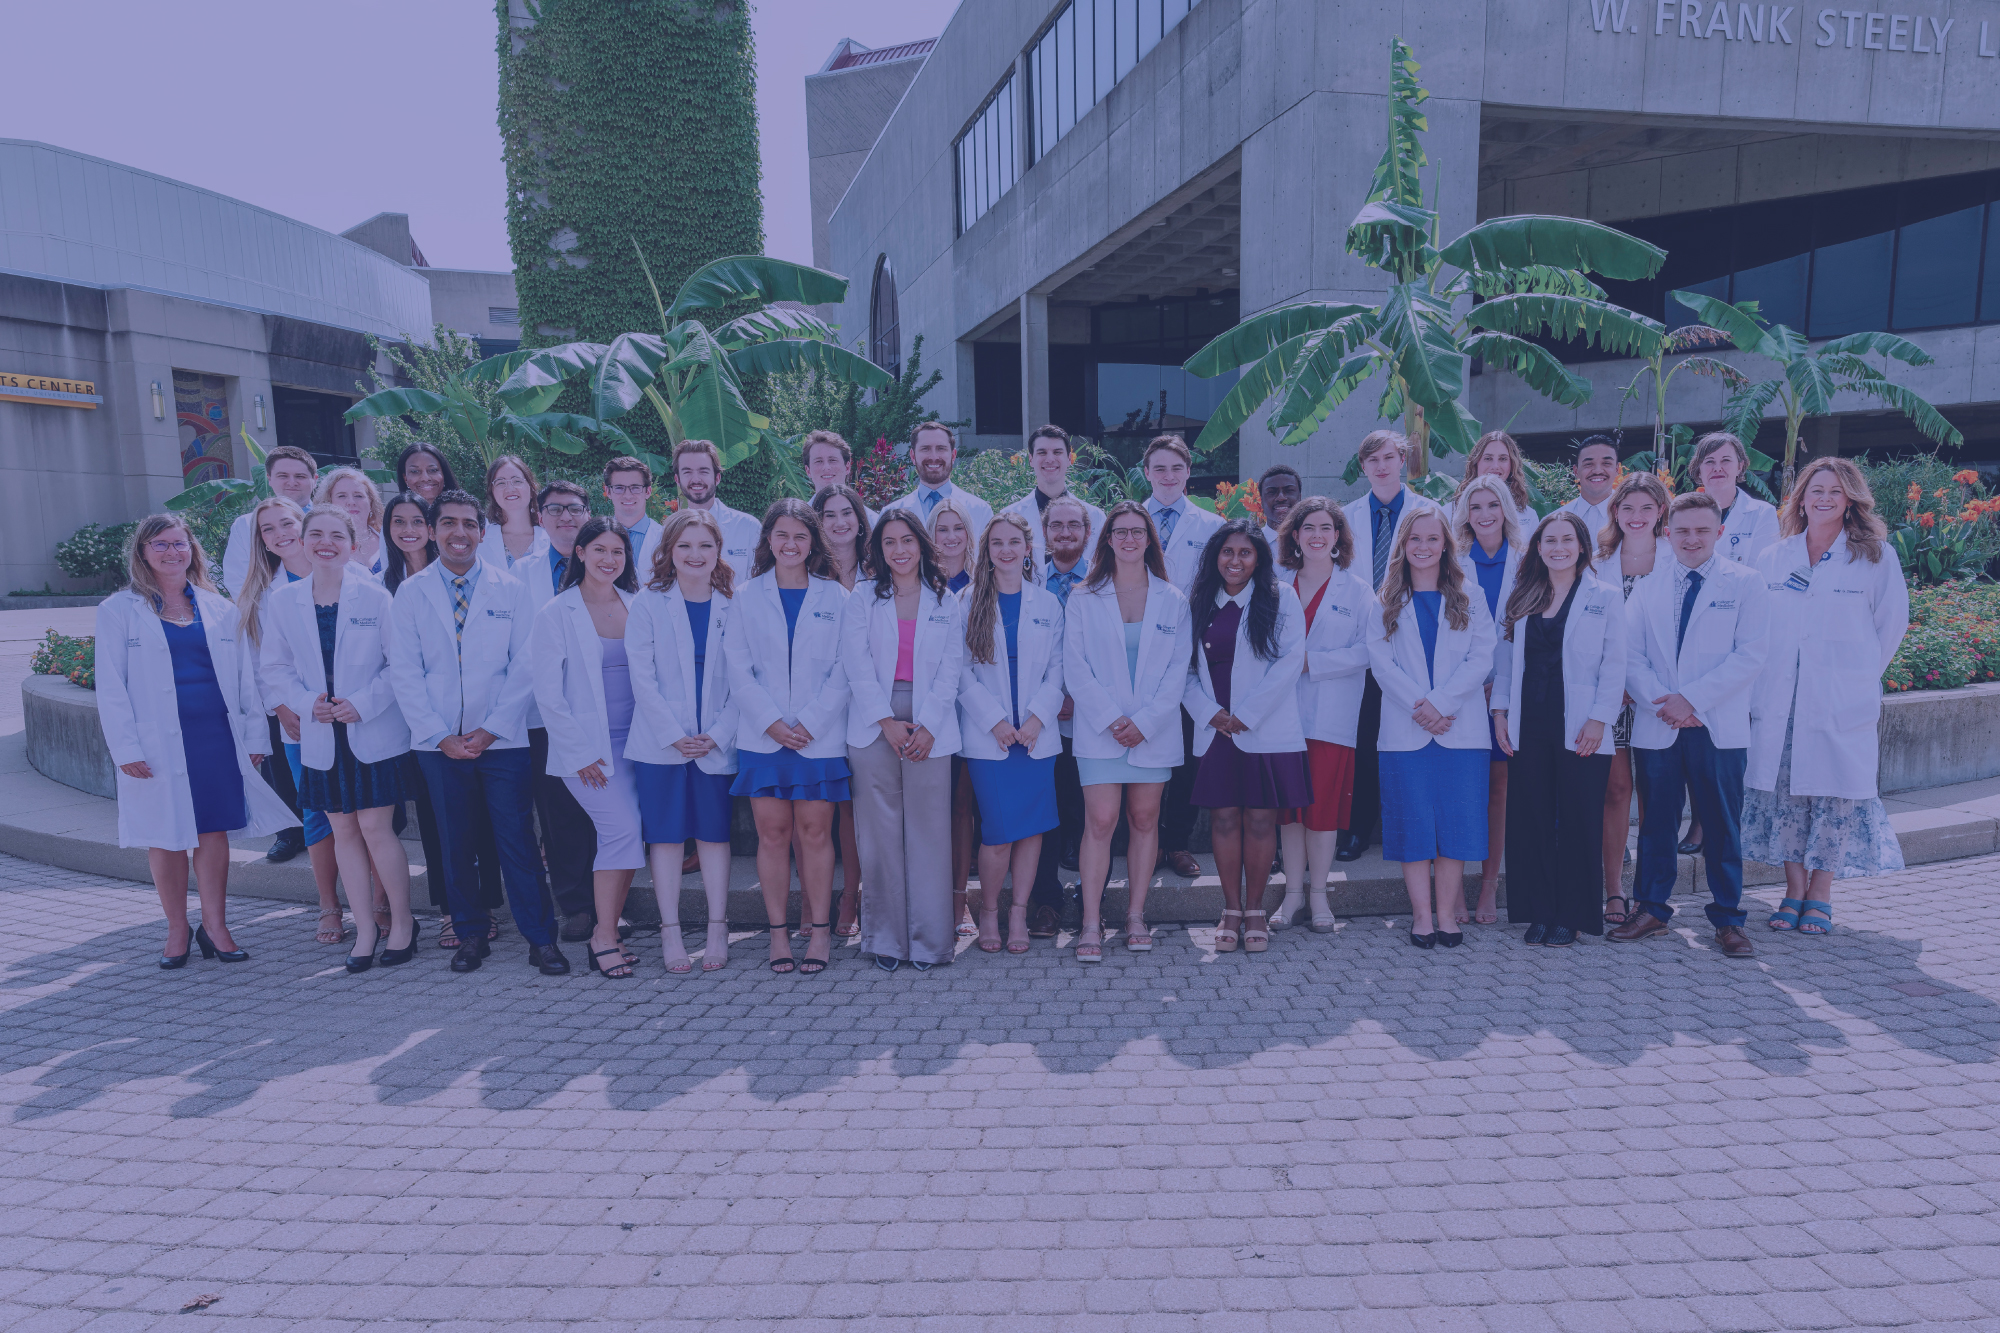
x: 93, y: 552
x: 994, y: 475
x: 1942, y: 522
x: 1954, y: 638
x: 71, y: 656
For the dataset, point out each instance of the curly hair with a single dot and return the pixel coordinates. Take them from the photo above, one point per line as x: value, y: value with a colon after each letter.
x: 928, y: 572
x: 1289, y: 553
x: 1517, y: 471
x: 819, y: 562
x: 1461, y: 509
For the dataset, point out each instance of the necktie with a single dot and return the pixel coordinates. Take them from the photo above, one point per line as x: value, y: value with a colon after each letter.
x: 1166, y: 518
x: 1687, y: 607
x: 461, y: 603
x: 1380, y: 546
x: 931, y: 499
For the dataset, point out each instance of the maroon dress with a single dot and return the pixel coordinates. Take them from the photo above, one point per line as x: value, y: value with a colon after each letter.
x: 1228, y: 776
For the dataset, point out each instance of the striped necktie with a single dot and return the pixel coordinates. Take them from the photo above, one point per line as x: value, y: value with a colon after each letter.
x: 1380, y: 546
x: 1165, y: 519
x: 461, y: 602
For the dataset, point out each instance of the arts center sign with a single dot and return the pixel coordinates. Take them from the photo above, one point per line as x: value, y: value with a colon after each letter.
x: 1787, y: 25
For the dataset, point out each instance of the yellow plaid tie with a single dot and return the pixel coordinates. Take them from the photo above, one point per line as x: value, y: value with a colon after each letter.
x: 461, y: 603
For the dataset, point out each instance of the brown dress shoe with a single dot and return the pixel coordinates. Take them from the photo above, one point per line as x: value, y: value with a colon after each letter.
x: 1184, y: 865
x: 1734, y: 943
x: 1640, y: 925
x: 1042, y: 923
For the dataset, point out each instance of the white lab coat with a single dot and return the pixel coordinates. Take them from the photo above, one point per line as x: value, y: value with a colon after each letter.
x: 1593, y: 664
x: 1462, y: 660
x: 1718, y: 663
x: 1751, y: 530
x: 802, y: 681
x: 1263, y: 696
x: 139, y: 709
x: 868, y: 654
x: 977, y: 512
x: 1095, y: 675
x: 493, y: 550
x: 566, y: 659
x: 1029, y: 510
x: 236, y: 552
x: 536, y: 574
x: 1509, y: 572
x: 448, y: 686
x: 1842, y: 632
x: 1182, y: 551
x: 293, y: 670
x: 985, y: 697
x: 660, y: 649
x: 1596, y: 518
x: 740, y: 535
x: 1336, y: 669
x: 1363, y: 527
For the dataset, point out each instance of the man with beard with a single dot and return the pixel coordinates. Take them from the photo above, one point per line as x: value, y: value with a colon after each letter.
x: 1066, y: 529
x: 697, y: 473
x: 933, y: 453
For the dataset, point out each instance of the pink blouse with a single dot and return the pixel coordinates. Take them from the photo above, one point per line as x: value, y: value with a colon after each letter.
x: 906, y: 650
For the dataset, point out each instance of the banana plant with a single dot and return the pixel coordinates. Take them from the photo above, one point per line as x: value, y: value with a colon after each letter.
x: 521, y: 425
x: 1484, y: 295
x: 1808, y: 379
x: 692, y: 375
x: 230, y: 495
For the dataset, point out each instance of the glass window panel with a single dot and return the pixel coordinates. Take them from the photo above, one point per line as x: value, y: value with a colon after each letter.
x: 1066, y: 71
x: 1676, y: 315
x: 1128, y: 324
x: 1850, y: 286
x: 1128, y: 36
x: 1149, y: 26
x: 964, y: 184
x: 1172, y: 12
x: 1779, y: 290
x: 1106, y: 48
x: 1173, y: 321
x: 1936, y: 262
x: 1989, y: 298
x: 1041, y: 100
x: 989, y: 148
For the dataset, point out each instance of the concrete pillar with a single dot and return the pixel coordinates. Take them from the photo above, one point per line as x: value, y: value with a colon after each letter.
x: 1034, y: 311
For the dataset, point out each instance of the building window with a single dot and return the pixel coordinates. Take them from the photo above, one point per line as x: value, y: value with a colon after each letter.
x: 1090, y: 45
x: 989, y: 157
x: 506, y: 316
x: 885, y: 329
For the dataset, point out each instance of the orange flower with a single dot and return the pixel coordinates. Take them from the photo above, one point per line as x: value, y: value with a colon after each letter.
x: 1941, y: 493
x: 1966, y: 478
x: 1926, y: 520
x: 1916, y: 492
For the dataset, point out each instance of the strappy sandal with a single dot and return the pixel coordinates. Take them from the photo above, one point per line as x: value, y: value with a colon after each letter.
x: 1812, y: 908
x: 619, y: 970
x: 1256, y: 939
x: 715, y: 954
x: 810, y: 966
x: 960, y: 913
x: 1787, y: 915
x: 779, y: 935
x: 333, y: 934
x: 447, y: 933
x: 1018, y: 943
x: 1090, y: 951
x: 1138, y: 937
x: 989, y: 943
x: 1226, y: 936
x: 1619, y: 915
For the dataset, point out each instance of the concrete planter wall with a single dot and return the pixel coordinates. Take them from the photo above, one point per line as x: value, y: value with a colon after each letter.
x: 65, y: 741
x: 1935, y: 738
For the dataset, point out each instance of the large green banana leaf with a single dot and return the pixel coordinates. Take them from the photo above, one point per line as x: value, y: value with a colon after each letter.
x: 756, y: 278
x: 1528, y: 315
x: 1536, y: 366
x: 765, y: 325
x: 708, y: 398
x: 619, y: 379
x: 1252, y: 387
x: 828, y: 358
x: 1556, y: 242
x: 547, y: 367
x: 1740, y: 324
x: 1258, y: 335
x: 1884, y: 344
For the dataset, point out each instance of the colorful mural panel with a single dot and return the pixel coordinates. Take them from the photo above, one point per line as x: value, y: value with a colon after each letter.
x: 201, y: 405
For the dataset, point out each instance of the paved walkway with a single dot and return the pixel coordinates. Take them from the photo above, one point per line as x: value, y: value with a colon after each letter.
x: 1345, y: 1133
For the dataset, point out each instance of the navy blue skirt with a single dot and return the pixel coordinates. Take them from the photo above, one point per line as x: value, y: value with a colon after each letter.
x: 1017, y: 796
x: 680, y: 801
x: 1434, y: 804
x: 351, y: 786
x: 787, y: 775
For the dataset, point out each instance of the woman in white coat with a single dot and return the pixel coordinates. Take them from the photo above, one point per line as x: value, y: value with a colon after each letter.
x: 1487, y: 525
x: 1010, y: 694
x: 512, y: 532
x: 177, y: 695
x: 1431, y: 650
x: 583, y: 687
x: 326, y: 657
x: 844, y: 522
x: 900, y: 646
x: 1243, y: 694
x: 682, y: 746
x: 1126, y: 645
x: 1338, y: 606
x: 1839, y: 609
x: 348, y: 489
x: 1749, y: 525
x: 1560, y: 686
x: 790, y: 686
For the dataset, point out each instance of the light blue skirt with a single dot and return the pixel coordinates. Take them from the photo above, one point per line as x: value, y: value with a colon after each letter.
x: 1100, y: 772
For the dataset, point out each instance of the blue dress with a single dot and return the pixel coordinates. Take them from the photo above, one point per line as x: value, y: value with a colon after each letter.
x: 1017, y: 795
x: 1492, y: 572
x: 1433, y: 799
x: 215, y: 779
x: 350, y: 786
x: 680, y: 801
x: 785, y: 774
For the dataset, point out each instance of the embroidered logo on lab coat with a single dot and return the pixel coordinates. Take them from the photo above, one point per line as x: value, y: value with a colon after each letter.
x: 499, y: 615
x: 822, y: 615
x: 1729, y: 605
x: 365, y: 622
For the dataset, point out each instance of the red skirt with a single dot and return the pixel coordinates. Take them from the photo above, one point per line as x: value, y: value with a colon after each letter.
x: 1332, y: 769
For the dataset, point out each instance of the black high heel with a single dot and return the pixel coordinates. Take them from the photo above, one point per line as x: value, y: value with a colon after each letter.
x: 360, y: 962
x: 391, y: 957
x: 812, y: 967
x: 168, y: 961
x: 1426, y: 941
x: 1450, y: 939
x: 208, y: 949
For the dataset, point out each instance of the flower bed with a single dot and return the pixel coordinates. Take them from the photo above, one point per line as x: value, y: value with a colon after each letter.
x: 1954, y: 639
x: 73, y: 657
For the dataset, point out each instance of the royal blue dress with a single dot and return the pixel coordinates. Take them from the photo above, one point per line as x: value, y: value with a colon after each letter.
x: 785, y: 774
x: 214, y: 778
x: 1017, y: 795
x: 680, y: 801
x: 1433, y: 799
x: 1492, y: 572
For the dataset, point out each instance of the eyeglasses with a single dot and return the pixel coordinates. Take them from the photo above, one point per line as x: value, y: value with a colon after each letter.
x: 565, y: 511
x: 1128, y: 534
x: 167, y: 548
x: 630, y: 490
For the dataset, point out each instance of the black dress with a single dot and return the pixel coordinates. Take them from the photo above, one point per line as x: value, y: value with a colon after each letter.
x: 1555, y: 799
x: 350, y: 786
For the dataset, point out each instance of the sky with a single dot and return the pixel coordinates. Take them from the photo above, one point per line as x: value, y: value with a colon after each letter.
x: 332, y: 113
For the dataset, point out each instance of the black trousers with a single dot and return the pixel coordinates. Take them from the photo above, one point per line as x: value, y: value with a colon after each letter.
x: 277, y: 770
x: 1069, y: 810
x: 1555, y: 829
x: 1177, y: 801
x: 569, y: 839
x: 1367, y: 808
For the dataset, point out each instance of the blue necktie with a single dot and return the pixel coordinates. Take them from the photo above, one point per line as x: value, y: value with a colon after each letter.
x: 1687, y: 608
x: 931, y: 499
x: 1379, y: 548
x: 1166, y: 518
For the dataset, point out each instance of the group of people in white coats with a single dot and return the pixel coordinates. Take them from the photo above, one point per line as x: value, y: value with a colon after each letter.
x: 516, y: 663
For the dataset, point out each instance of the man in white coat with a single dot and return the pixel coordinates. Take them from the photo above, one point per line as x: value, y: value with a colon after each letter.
x: 569, y: 838
x: 459, y: 661
x: 1374, y: 519
x: 628, y: 484
x: 292, y: 473
x: 1050, y: 457
x: 1697, y: 639
x: 933, y: 453
x: 1596, y: 473
x: 697, y: 473
x: 1184, y: 528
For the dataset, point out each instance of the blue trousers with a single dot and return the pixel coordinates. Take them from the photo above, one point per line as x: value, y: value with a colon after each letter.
x: 317, y: 826
x: 502, y: 782
x: 1713, y: 780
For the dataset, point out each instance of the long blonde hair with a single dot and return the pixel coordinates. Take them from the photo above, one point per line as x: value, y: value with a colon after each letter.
x: 327, y: 483
x: 1613, y: 536
x: 1396, y: 587
x: 1461, y: 509
x: 1517, y: 471
x: 722, y: 578
x: 263, y: 566
x: 982, y: 611
x: 1865, y: 530
x: 139, y: 574
x: 950, y: 506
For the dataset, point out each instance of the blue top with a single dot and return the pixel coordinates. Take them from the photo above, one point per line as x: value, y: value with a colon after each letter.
x: 1132, y: 650
x: 1395, y: 508
x: 1428, y: 605
x: 329, y: 625
x: 194, y: 669
x: 1010, y: 616
x: 698, y: 630
x: 794, y: 600
x: 556, y: 562
x: 958, y: 582
x: 1491, y: 570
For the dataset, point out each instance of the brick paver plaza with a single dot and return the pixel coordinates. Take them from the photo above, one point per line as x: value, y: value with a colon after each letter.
x: 1346, y: 1133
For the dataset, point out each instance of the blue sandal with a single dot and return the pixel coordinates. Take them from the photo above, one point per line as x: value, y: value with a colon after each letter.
x: 1787, y: 915
x: 1809, y: 927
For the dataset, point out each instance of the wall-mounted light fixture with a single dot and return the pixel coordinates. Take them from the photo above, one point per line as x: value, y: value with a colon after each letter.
x: 260, y: 411
x: 159, y: 403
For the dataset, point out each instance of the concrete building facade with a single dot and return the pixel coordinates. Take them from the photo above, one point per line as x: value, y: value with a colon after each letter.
x: 1072, y: 195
